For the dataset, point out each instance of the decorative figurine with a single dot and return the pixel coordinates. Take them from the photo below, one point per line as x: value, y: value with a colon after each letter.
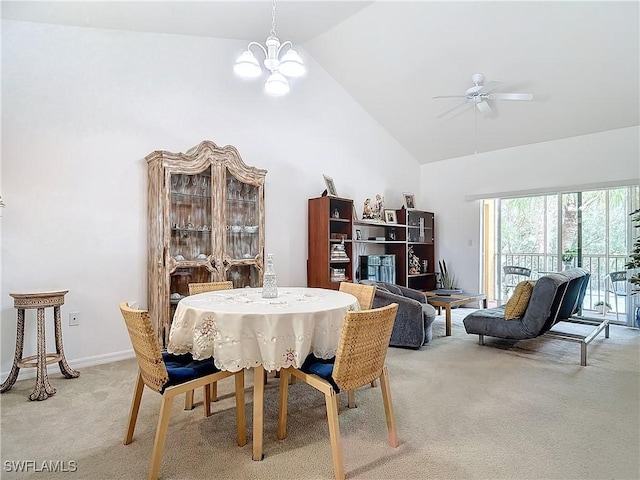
x: 414, y: 262
x: 366, y: 211
x: 378, y: 207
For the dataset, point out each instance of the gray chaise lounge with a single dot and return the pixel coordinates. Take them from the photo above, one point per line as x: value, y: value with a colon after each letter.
x: 556, y: 297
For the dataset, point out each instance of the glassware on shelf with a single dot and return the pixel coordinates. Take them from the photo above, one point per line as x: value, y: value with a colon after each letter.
x: 175, y: 181
x: 269, y: 284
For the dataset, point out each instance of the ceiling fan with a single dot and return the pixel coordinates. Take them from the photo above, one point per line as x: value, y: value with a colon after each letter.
x: 479, y: 95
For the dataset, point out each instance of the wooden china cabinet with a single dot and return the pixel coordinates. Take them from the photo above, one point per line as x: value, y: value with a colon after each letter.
x: 205, y: 223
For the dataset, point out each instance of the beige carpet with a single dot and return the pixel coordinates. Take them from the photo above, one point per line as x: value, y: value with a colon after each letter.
x: 502, y: 411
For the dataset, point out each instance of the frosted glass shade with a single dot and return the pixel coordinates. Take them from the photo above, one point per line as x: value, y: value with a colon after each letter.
x: 291, y: 64
x: 247, y: 65
x: 276, y: 84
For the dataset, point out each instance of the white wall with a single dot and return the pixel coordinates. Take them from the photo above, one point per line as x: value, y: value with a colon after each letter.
x: 80, y: 110
x: 612, y: 156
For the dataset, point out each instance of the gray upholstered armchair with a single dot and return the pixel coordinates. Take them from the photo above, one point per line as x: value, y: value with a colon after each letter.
x: 415, y: 316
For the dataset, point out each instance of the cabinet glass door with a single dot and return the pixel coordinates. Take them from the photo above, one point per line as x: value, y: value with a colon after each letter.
x: 190, y: 244
x: 190, y: 217
x: 242, y: 246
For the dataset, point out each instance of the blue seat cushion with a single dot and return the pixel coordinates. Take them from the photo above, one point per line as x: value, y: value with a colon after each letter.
x: 321, y: 367
x: 183, y: 368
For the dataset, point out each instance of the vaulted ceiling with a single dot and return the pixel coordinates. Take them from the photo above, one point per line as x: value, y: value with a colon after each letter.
x: 580, y: 60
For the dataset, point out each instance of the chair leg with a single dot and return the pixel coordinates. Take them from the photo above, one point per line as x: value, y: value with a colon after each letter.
x: 388, y: 408
x: 135, y: 407
x: 334, y: 433
x: 240, y: 409
x: 282, y: 407
x: 351, y: 399
x: 206, y: 391
x: 214, y: 392
x: 188, y: 400
x: 373, y: 384
x: 161, y: 436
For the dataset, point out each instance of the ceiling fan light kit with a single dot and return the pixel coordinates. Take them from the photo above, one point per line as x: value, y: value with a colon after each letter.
x: 289, y: 65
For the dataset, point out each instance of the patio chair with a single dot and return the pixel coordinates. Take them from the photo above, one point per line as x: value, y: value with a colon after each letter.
x: 616, y: 284
x: 171, y: 375
x: 360, y: 360
x: 513, y: 275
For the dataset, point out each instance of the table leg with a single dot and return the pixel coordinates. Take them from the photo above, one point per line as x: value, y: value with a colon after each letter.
x: 66, y: 370
x: 43, y: 388
x: 447, y: 310
x: 258, y: 411
x: 15, y: 369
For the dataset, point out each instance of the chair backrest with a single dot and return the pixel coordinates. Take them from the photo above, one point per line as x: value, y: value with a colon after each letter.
x: 148, y: 354
x: 616, y: 282
x: 209, y: 287
x: 364, y: 293
x: 363, y: 346
x: 515, y: 270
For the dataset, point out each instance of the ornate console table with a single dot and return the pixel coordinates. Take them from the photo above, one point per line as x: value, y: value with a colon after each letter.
x: 40, y: 300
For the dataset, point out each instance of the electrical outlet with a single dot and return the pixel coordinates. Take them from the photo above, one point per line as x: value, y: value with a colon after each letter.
x: 74, y: 318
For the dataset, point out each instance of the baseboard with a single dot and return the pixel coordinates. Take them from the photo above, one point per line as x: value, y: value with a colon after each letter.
x: 76, y: 364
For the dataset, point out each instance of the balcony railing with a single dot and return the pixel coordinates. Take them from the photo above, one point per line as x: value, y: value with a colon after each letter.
x: 598, y: 265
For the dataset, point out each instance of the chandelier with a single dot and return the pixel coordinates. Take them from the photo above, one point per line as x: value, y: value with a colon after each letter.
x: 289, y: 65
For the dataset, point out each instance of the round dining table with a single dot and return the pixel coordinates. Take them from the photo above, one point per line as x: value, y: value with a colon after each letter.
x: 241, y: 329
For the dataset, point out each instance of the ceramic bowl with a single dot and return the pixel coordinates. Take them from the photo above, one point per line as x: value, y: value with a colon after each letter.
x: 251, y: 228
x: 236, y: 228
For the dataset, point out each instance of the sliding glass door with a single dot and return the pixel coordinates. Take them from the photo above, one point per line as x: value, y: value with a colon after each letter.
x: 554, y: 232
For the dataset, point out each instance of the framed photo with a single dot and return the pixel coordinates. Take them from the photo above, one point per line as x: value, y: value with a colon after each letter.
x: 390, y: 216
x: 358, y: 234
x: 331, y: 187
x: 409, y: 200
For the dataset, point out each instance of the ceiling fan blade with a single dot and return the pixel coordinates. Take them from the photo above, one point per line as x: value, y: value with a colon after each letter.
x: 489, y: 86
x: 510, y: 96
x: 450, y: 96
x: 452, y: 109
x: 484, y: 108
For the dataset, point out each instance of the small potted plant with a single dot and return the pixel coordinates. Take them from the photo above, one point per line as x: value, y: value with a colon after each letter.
x: 567, y: 258
x: 602, y: 307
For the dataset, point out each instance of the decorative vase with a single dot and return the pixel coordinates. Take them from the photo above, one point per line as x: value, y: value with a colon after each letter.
x: 269, y: 284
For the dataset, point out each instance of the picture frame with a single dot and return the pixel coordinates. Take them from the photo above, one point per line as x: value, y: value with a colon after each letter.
x: 408, y: 200
x: 390, y: 216
x: 358, y: 234
x: 331, y: 187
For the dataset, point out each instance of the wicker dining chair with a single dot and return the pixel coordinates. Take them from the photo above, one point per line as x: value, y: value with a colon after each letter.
x: 170, y: 375
x: 364, y: 294
x: 195, y: 288
x: 203, y: 287
x: 360, y: 359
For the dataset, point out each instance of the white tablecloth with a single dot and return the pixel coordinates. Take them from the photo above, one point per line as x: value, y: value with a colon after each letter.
x: 240, y: 329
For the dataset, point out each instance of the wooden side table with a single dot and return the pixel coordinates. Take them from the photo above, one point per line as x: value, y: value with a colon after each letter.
x: 41, y: 300
x: 442, y: 298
